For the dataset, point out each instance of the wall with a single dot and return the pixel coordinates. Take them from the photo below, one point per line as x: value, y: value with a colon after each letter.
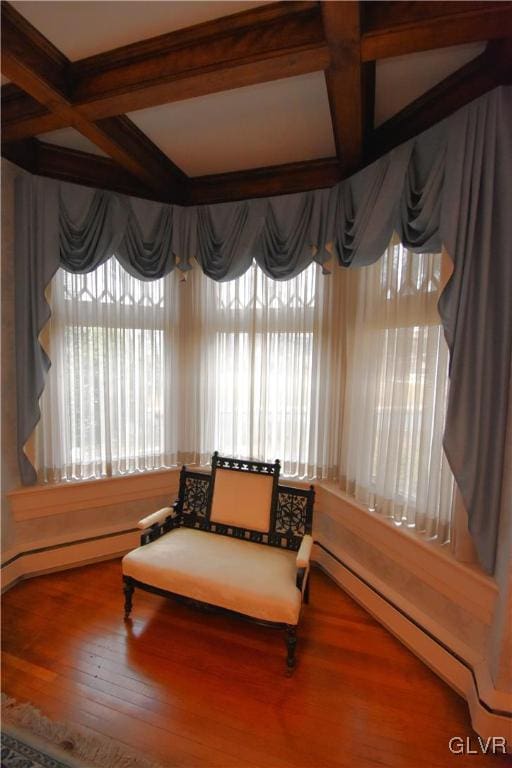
x: 500, y: 641
x: 9, y: 477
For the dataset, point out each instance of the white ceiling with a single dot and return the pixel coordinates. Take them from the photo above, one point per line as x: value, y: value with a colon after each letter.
x: 261, y: 125
x: 81, y: 29
x: 283, y: 121
x: 400, y: 80
x: 68, y: 137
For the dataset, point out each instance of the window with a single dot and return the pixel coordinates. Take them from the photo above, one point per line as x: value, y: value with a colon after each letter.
x: 108, y: 406
x: 341, y: 377
x: 396, y: 395
x: 258, y: 339
x: 141, y: 370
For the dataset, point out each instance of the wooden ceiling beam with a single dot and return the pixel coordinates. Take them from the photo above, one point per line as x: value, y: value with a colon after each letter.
x: 79, y: 167
x: 492, y: 68
x: 275, y: 41
x: 488, y: 70
x: 36, y: 66
x: 27, y: 115
x: 344, y: 79
x: 268, y: 43
x: 398, y: 28
x: 265, y: 182
x: 368, y: 90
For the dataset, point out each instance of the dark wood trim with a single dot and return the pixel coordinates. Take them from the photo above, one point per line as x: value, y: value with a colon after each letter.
x: 44, y: 159
x: 23, y: 116
x: 275, y: 41
x: 26, y: 52
x: 492, y: 68
x: 342, y: 29
x: 398, y: 28
x: 39, y: 69
x: 368, y: 90
x: 23, y: 153
x: 381, y: 15
x: 92, y: 170
x: 265, y: 182
x: 139, y: 168
x: 267, y: 43
x: 77, y: 167
x: 268, y: 13
x: 133, y: 141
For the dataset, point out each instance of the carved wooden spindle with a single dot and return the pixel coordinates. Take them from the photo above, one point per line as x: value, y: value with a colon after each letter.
x: 291, y: 643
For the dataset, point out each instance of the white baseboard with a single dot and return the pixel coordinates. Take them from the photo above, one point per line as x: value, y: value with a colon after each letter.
x: 436, y: 654
x: 69, y: 555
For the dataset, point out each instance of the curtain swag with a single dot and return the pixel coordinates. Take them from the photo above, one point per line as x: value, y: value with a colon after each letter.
x: 450, y: 186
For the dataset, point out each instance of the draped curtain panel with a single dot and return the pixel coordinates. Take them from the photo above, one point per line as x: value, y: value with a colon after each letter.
x: 451, y: 185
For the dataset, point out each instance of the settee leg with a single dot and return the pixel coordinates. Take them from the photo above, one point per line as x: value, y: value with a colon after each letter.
x: 291, y: 643
x: 306, y: 591
x: 128, y: 590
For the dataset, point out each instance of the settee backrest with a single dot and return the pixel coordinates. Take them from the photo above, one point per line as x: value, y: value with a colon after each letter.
x: 244, y: 499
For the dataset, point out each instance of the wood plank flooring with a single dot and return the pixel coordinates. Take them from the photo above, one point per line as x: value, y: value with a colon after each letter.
x: 201, y: 690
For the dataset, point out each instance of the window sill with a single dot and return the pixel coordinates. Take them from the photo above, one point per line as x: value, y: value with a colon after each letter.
x: 45, y: 500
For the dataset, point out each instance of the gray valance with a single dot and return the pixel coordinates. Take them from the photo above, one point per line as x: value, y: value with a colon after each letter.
x: 451, y: 186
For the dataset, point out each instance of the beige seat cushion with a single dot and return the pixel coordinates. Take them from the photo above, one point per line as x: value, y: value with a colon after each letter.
x: 242, y: 499
x: 250, y: 578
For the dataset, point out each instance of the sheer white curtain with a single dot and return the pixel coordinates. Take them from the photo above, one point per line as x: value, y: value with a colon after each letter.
x: 150, y: 375
x: 109, y: 406
x: 263, y: 370
x: 341, y: 377
x: 397, y: 381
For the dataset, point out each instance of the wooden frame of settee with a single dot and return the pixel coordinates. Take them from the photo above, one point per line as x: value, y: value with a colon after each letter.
x: 291, y: 518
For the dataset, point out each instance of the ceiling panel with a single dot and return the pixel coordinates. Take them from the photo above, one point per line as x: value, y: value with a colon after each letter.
x: 81, y: 29
x: 268, y: 124
x: 400, y: 80
x: 68, y: 137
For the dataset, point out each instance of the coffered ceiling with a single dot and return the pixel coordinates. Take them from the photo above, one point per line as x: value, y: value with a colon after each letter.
x: 205, y: 101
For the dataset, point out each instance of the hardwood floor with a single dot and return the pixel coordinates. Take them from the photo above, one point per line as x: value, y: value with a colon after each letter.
x: 193, y: 689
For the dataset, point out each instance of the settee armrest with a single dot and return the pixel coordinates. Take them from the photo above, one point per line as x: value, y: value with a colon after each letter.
x: 156, y: 518
x: 304, y: 553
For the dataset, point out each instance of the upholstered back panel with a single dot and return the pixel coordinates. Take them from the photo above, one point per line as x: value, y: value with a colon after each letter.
x: 242, y: 499
x: 288, y: 511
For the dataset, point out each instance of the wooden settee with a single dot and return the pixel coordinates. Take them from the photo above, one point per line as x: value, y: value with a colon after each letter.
x: 235, y: 539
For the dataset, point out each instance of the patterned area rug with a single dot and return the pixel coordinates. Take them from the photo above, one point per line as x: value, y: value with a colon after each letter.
x: 31, y: 740
x: 16, y: 754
